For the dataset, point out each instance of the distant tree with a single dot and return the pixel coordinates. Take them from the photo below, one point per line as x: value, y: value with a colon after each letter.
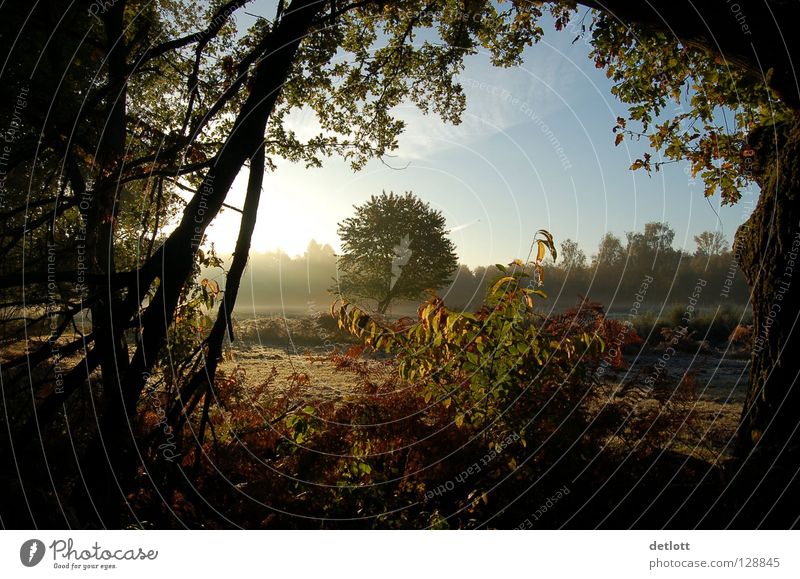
x: 656, y: 237
x: 318, y: 252
x: 710, y: 243
x: 394, y: 247
x: 609, y: 252
x: 572, y: 257
x: 464, y: 291
x: 651, y: 249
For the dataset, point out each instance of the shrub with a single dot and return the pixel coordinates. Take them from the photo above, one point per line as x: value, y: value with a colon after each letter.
x: 467, y: 413
x: 741, y: 335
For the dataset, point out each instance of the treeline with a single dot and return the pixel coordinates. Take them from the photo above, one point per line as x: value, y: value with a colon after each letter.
x: 275, y: 280
x: 642, y: 268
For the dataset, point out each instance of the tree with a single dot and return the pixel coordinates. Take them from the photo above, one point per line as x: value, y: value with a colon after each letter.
x: 572, y: 257
x: 658, y: 236
x: 207, y: 106
x: 652, y: 249
x: 317, y: 252
x: 103, y: 170
x: 610, y: 252
x: 710, y: 243
x: 394, y: 248
x: 710, y: 85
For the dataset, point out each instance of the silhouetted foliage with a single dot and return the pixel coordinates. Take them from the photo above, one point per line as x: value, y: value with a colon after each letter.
x: 394, y: 248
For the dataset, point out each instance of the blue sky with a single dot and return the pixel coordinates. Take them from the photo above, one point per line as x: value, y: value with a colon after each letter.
x: 534, y: 150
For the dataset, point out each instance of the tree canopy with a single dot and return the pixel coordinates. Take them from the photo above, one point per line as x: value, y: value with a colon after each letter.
x: 710, y: 243
x: 394, y: 248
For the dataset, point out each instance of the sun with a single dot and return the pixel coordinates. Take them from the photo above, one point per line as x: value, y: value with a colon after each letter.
x: 288, y: 218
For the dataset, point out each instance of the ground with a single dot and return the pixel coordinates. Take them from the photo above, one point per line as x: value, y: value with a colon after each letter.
x: 706, y: 389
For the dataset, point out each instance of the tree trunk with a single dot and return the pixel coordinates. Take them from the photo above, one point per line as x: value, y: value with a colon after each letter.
x: 768, y: 247
x: 111, y: 345
x: 111, y: 348
x: 202, y: 382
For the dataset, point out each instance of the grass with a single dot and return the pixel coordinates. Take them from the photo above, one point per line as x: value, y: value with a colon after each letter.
x: 290, y: 332
x: 715, y: 326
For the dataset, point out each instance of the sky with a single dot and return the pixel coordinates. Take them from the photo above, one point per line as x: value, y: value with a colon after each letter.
x: 534, y: 150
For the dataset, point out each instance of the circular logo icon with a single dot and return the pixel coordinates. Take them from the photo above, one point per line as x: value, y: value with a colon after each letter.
x: 32, y: 552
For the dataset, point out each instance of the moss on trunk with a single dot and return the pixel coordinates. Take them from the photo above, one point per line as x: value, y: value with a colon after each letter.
x: 767, y: 245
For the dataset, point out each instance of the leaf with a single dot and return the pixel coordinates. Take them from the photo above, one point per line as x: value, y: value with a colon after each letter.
x: 549, y: 242
x: 619, y: 138
x: 500, y: 282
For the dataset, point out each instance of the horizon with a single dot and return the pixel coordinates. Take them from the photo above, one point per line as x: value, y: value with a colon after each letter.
x: 590, y: 252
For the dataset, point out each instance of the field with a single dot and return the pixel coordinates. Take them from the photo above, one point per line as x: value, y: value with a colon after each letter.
x: 709, y: 384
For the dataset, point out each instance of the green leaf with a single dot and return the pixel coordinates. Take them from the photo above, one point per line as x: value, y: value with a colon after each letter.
x: 501, y: 282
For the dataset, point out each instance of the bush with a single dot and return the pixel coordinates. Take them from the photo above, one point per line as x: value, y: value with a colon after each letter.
x: 311, y: 331
x: 469, y: 412
x: 714, y: 326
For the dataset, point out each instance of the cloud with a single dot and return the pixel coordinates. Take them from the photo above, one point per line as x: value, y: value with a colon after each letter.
x: 497, y: 99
